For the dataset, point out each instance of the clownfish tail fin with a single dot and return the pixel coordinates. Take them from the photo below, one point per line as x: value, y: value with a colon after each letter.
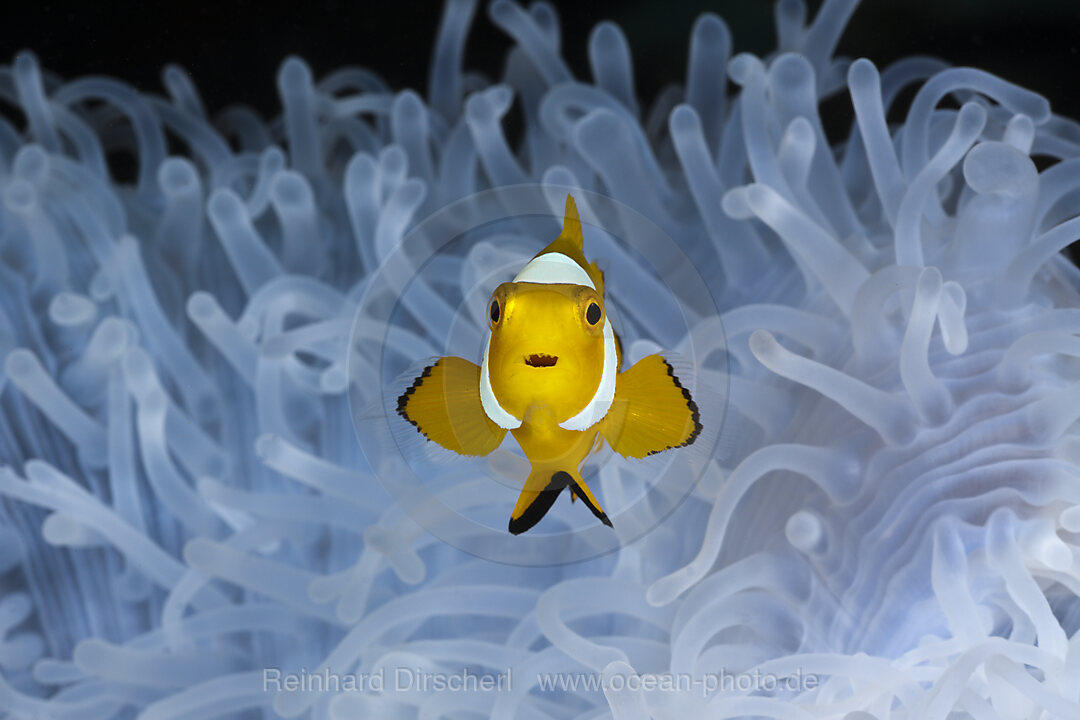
x: 539, y: 494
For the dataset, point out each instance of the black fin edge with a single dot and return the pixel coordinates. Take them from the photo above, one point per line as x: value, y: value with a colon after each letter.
x: 600, y: 514
x: 403, y: 399
x: 695, y: 415
x: 540, y: 506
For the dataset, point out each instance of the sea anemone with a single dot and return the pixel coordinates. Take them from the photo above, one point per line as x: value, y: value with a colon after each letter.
x: 208, y: 511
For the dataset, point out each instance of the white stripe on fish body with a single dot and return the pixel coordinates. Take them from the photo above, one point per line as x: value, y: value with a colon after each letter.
x: 601, y: 400
x: 554, y: 269
x: 492, y: 408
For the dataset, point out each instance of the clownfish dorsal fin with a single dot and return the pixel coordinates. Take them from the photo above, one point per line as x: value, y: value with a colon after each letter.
x: 570, y: 243
x: 571, y: 226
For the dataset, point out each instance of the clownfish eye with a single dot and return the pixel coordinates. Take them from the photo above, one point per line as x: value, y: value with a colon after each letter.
x: 592, y: 314
x: 493, y: 311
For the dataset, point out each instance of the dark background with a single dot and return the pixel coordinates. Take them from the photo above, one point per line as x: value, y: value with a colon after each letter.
x: 233, y: 49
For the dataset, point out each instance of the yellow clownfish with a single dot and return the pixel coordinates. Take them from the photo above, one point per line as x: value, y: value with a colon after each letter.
x: 550, y: 375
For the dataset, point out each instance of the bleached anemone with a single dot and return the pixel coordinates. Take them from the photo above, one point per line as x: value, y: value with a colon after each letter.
x: 888, y: 512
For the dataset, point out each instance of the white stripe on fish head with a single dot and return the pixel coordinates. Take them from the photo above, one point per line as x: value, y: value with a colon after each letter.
x: 554, y: 268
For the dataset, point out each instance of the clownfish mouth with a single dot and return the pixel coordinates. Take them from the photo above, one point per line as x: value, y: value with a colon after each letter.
x: 540, y: 360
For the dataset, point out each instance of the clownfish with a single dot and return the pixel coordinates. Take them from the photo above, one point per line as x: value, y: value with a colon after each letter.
x: 550, y: 376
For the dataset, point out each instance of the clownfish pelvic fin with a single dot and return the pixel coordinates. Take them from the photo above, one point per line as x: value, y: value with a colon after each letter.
x: 444, y: 404
x: 541, y: 489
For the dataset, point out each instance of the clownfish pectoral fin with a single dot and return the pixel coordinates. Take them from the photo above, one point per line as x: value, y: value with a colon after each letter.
x: 444, y: 404
x: 651, y: 411
x: 539, y: 494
